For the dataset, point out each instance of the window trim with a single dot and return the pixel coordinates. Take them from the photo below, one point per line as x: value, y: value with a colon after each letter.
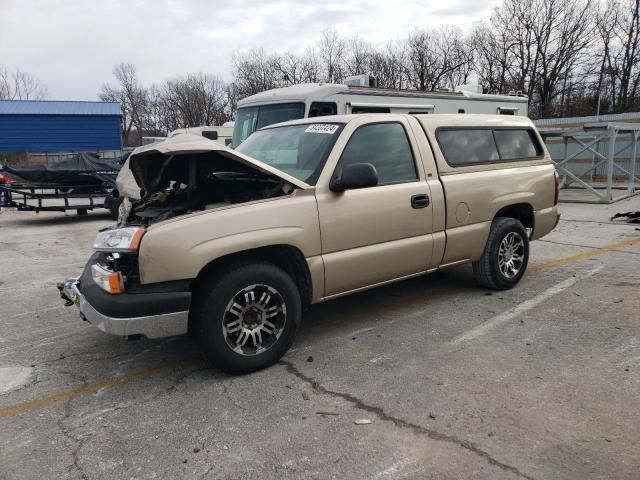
x: 489, y: 162
x: 413, y: 154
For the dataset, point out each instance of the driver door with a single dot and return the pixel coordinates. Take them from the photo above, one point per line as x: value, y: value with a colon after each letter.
x: 376, y: 234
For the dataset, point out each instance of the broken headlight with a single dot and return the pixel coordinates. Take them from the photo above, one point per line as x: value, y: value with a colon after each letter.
x: 119, y: 240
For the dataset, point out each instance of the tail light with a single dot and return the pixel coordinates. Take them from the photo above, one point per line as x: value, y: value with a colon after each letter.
x: 557, y: 195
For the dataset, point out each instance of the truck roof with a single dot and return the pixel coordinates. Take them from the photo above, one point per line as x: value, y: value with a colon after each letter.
x: 304, y: 91
x: 427, y: 120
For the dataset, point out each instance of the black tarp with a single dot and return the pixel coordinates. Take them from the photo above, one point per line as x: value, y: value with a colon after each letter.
x: 81, y: 169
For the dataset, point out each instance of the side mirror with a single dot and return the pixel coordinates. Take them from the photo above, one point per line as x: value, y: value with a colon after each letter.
x: 356, y: 175
x: 227, y: 142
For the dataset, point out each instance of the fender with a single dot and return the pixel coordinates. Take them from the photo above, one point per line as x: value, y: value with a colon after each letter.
x: 181, y: 248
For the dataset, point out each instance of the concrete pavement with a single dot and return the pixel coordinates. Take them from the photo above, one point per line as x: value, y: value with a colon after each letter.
x: 538, y: 382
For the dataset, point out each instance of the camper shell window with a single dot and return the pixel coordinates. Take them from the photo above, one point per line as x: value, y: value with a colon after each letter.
x: 515, y: 144
x: 471, y: 146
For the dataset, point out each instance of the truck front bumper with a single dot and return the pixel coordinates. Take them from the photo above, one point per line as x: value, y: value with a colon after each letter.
x: 130, y: 308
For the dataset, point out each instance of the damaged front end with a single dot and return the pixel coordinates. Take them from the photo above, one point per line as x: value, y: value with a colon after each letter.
x: 189, y: 173
x: 179, y: 176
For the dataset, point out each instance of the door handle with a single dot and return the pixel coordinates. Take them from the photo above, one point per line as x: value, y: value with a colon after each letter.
x: 420, y: 200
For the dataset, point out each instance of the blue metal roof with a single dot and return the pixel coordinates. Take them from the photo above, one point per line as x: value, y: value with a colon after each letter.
x: 56, y: 107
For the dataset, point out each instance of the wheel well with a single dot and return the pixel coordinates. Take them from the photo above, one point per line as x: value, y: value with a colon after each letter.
x: 287, y: 257
x: 522, y: 212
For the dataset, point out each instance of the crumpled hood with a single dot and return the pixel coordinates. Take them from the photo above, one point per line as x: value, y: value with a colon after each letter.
x: 188, y: 143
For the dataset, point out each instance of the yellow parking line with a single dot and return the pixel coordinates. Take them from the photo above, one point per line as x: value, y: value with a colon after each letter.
x: 581, y: 256
x: 149, y: 372
x: 92, y: 388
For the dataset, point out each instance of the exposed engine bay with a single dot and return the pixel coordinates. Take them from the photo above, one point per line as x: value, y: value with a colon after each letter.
x: 179, y: 184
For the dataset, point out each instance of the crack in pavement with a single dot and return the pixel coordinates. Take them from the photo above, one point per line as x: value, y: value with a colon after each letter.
x: 205, y: 474
x: 225, y: 390
x: 181, y: 377
x: 66, y: 433
x: 399, y: 422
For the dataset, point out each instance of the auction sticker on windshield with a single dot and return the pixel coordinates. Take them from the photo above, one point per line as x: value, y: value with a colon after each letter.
x: 322, y: 128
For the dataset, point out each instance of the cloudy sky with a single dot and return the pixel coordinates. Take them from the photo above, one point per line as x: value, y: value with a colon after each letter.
x: 72, y: 45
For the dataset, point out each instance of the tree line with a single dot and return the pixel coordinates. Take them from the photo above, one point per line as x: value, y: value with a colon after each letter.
x: 569, y: 57
x: 19, y: 85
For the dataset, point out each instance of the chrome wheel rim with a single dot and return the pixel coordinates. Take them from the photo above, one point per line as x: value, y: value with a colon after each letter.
x: 254, y: 319
x: 511, y: 254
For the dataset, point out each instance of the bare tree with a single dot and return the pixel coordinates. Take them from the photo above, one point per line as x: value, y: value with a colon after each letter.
x: 493, y: 59
x: 255, y: 71
x: 563, y: 33
x: 437, y: 59
x: 332, y: 49
x: 132, y: 96
x: 19, y: 85
x: 310, y: 65
x: 192, y: 100
x: 619, y: 33
x: 544, y: 45
x: 289, y: 68
x: 607, y: 21
x: 357, y: 56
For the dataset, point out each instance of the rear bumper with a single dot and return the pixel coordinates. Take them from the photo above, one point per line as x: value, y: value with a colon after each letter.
x: 129, y: 314
x: 545, y: 221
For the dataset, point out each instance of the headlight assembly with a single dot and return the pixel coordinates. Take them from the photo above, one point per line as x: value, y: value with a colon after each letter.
x: 109, y: 281
x: 119, y: 240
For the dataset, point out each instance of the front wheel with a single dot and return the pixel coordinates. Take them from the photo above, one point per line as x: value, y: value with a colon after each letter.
x: 248, y: 317
x: 505, y: 255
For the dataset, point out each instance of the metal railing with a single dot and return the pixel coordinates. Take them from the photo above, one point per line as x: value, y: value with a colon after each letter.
x: 585, y: 139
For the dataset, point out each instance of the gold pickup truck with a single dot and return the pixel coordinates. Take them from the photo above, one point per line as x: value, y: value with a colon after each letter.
x: 233, y: 245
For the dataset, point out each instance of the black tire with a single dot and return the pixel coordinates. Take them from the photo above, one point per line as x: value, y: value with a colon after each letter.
x: 114, y: 207
x: 488, y: 270
x: 212, y: 312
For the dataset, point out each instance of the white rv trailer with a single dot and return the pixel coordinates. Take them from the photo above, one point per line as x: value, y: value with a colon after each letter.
x: 319, y: 99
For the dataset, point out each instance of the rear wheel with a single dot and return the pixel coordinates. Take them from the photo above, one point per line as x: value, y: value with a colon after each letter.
x: 505, y: 255
x: 248, y: 317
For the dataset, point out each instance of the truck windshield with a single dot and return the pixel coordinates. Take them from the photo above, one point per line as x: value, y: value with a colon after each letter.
x: 250, y: 119
x: 299, y: 150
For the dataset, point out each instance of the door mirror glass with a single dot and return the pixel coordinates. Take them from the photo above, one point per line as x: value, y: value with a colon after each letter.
x: 355, y: 175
